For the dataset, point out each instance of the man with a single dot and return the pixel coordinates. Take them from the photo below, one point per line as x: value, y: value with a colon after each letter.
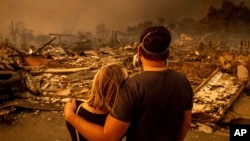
x: 153, y: 105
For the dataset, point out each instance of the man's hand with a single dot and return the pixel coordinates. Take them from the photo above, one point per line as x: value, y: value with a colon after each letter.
x: 113, y: 129
x: 69, y: 108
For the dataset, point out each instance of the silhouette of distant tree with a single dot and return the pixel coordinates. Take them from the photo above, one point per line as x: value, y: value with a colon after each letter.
x: 161, y: 20
x: 24, y: 34
x: 228, y: 16
x: 136, y: 30
x: 102, y: 31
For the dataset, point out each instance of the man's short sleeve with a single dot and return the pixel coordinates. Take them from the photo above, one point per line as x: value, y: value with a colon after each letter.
x: 123, y: 107
x: 188, y: 96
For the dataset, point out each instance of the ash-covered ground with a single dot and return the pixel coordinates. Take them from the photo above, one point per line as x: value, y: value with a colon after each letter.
x: 36, y: 82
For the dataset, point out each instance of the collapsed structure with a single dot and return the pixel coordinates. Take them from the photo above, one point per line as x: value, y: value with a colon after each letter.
x: 45, y: 82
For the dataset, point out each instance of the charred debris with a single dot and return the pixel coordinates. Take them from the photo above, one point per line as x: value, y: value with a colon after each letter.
x: 44, y: 77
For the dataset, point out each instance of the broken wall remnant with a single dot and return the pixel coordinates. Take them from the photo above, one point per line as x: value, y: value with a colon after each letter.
x: 60, y: 73
x: 213, y: 98
x: 196, y: 72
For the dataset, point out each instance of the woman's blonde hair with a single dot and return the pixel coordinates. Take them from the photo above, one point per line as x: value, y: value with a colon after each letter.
x: 105, y: 87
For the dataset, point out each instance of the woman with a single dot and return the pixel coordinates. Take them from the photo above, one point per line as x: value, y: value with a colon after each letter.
x: 103, y: 95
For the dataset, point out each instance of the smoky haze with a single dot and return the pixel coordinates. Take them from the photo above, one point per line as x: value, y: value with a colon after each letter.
x: 55, y: 16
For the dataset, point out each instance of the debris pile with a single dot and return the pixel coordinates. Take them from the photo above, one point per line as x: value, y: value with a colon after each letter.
x: 213, y: 98
x: 46, y: 80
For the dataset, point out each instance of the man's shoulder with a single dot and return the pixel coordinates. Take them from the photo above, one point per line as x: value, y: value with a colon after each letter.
x: 149, y: 73
x: 176, y: 73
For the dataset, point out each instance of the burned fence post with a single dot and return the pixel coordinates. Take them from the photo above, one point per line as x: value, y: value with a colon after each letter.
x: 241, y: 45
x: 248, y: 44
x: 210, y: 44
x: 244, y: 46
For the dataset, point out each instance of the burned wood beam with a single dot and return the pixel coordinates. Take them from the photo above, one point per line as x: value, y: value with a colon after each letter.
x: 62, y: 70
x: 44, y: 46
x: 8, y: 77
x: 18, y: 51
x: 31, y: 105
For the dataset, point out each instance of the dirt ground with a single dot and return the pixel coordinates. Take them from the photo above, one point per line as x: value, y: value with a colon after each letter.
x: 38, y: 125
x: 34, y: 126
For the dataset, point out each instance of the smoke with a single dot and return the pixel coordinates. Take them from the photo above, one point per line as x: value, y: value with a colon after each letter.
x: 55, y: 16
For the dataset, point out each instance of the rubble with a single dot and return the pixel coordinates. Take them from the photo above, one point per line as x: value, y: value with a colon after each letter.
x: 204, y: 128
x: 47, y: 80
x: 220, y: 89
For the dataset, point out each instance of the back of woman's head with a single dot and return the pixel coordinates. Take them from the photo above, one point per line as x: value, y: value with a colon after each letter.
x: 105, y: 87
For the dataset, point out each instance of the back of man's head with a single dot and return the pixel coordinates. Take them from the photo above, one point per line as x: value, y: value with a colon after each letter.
x: 155, y: 41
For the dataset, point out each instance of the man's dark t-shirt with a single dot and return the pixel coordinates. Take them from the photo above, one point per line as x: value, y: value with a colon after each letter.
x: 154, y: 103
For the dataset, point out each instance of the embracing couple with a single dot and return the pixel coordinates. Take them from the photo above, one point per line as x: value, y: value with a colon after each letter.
x: 154, y: 105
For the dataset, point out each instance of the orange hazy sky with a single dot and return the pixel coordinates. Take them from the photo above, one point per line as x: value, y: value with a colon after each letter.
x: 55, y: 16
